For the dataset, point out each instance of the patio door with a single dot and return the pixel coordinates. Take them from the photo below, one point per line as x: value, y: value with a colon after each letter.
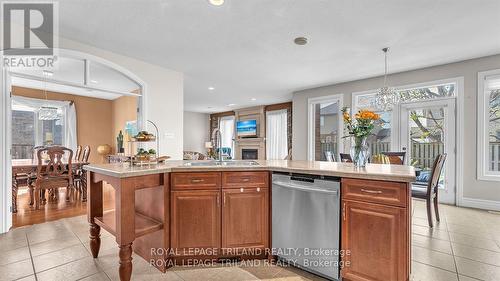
x: 428, y: 128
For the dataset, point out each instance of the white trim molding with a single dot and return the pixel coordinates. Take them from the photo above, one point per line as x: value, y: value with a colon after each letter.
x: 483, y: 172
x: 480, y: 204
x: 339, y: 99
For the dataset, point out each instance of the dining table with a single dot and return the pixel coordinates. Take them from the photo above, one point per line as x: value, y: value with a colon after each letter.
x: 29, y: 167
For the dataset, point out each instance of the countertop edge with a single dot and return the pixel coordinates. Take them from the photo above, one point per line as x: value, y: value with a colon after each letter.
x: 342, y: 174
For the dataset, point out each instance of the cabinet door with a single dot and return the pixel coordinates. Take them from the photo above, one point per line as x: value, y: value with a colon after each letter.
x: 245, y: 218
x: 374, y: 237
x: 196, y: 217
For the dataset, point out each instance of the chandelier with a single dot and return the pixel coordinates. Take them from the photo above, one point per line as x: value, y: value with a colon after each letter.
x: 386, y: 97
x: 47, y: 112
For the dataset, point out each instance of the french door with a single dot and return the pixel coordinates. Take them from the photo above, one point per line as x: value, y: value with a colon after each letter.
x: 428, y: 128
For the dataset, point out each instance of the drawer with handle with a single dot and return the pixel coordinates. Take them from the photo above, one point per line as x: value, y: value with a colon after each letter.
x: 183, y: 181
x: 245, y: 179
x: 382, y: 192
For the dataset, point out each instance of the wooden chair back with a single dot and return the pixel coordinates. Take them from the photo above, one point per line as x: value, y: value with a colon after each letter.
x: 85, y: 154
x: 345, y: 157
x: 329, y: 156
x: 78, y: 152
x: 55, y: 168
x: 396, y: 158
x: 437, y: 168
x: 380, y: 159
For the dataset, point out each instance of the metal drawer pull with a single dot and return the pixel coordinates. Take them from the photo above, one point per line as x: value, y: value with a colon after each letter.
x: 245, y: 179
x: 371, y: 191
x: 196, y: 180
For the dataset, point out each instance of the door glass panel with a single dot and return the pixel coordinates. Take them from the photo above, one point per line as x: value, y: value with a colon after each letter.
x: 326, y: 120
x: 494, y: 131
x: 427, y: 132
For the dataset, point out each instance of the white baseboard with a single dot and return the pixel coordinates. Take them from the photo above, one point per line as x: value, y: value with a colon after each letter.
x: 480, y: 204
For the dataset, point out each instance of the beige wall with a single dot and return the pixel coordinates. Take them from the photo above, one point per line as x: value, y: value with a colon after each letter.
x: 123, y: 109
x: 196, y: 131
x: 93, y: 115
x: 474, y: 191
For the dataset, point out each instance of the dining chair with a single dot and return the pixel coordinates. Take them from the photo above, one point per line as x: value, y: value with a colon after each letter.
x: 380, y: 159
x: 79, y: 173
x: 345, y: 157
x: 78, y: 152
x: 54, y: 173
x: 396, y: 158
x: 329, y: 156
x: 429, y: 191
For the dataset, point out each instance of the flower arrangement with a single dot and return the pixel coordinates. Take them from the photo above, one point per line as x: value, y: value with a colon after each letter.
x: 363, y: 124
x: 360, y: 127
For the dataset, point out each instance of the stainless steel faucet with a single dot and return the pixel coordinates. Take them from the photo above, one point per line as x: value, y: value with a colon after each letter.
x: 217, y: 141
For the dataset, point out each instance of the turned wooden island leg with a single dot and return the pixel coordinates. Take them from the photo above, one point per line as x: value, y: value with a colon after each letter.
x: 94, y: 209
x: 125, y: 225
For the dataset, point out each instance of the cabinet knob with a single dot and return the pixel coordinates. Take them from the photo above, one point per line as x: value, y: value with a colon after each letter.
x: 258, y: 189
x: 242, y: 189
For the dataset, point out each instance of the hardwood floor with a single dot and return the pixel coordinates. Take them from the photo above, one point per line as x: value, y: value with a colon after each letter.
x: 27, y: 215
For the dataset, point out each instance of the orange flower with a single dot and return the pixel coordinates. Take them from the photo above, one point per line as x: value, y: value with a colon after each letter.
x: 367, y: 115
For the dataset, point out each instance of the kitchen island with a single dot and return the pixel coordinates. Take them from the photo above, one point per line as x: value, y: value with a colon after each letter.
x: 180, y: 212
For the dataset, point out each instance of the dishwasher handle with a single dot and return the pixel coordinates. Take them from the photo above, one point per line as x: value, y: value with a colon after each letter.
x: 304, y: 188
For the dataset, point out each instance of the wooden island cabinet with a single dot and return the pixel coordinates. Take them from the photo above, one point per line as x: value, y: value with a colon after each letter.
x: 169, y: 213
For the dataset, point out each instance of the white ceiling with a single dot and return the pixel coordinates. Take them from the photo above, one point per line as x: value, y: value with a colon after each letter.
x: 245, y: 48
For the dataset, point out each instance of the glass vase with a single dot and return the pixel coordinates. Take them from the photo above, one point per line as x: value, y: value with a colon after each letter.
x: 360, y: 152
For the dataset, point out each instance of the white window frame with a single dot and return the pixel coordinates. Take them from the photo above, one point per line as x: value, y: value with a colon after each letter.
x: 338, y: 98
x: 482, y: 128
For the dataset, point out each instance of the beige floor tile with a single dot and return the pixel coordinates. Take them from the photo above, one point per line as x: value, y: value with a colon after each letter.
x: 141, y: 271
x: 101, y: 276
x: 198, y: 273
x: 477, y: 254
x: 294, y: 273
x: 433, y: 258
x: 53, y: 245
x: 233, y: 274
x: 107, y: 243
x: 433, y: 233
x: 53, y: 259
x: 466, y: 278
x: 8, y: 243
x: 478, y: 231
x: 424, y: 222
x: 473, y: 241
x: 431, y: 243
x: 15, y: 255
x: 70, y: 271
x: 423, y: 272
x: 477, y: 270
x: 16, y: 270
x: 28, y: 278
x: 264, y: 270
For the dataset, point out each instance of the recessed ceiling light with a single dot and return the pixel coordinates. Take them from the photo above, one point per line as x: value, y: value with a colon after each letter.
x: 253, y: 99
x: 300, y: 41
x: 48, y: 73
x: 211, y: 88
x: 216, y: 2
x: 231, y: 104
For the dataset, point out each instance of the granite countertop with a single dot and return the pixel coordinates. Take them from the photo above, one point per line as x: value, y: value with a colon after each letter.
x: 385, y: 172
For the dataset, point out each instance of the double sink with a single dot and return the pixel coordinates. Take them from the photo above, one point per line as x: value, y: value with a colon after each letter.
x: 221, y: 163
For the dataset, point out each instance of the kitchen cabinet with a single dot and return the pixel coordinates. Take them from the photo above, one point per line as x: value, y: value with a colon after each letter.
x: 375, y: 231
x: 196, y: 220
x: 245, y: 219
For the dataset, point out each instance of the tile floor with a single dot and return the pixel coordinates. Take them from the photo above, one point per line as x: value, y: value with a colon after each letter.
x: 465, y: 246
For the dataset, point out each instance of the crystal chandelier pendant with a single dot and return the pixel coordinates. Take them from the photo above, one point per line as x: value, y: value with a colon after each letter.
x: 386, y: 97
x: 47, y: 113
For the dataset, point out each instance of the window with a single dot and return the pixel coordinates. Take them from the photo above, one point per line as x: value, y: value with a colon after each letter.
x: 380, y: 140
x: 325, y: 127
x: 276, y: 134
x: 226, y: 125
x: 29, y: 131
x: 489, y: 125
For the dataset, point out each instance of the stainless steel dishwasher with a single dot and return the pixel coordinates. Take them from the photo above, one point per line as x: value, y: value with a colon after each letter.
x: 305, y: 222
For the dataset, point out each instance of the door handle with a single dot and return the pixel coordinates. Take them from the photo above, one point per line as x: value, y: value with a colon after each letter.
x: 371, y: 191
